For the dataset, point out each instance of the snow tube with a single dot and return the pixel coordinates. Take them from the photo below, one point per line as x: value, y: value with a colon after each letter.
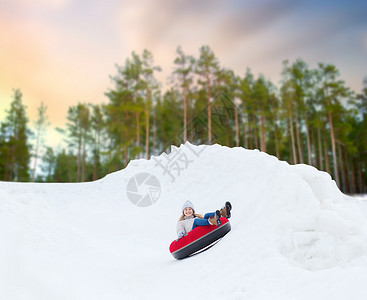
x: 199, y: 238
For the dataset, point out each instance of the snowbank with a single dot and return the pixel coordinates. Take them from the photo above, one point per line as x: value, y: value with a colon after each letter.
x: 294, y: 234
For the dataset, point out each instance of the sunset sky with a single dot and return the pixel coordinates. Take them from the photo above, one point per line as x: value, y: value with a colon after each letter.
x: 63, y: 51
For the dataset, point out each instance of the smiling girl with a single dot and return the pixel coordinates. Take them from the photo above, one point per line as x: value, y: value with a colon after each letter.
x: 189, y: 219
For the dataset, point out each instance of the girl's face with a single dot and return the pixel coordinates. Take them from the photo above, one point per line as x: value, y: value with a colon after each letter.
x: 188, y: 211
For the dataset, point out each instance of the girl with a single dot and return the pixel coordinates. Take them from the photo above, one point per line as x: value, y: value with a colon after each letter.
x: 189, y: 219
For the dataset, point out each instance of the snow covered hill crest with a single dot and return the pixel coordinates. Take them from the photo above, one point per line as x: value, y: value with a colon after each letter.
x: 300, y: 210
x: 293, y: 232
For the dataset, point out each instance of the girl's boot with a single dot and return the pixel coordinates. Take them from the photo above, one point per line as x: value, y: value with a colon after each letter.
x: 215, y: 220
x: 226, y: 210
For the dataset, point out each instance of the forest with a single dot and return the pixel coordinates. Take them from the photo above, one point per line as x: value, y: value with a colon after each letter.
x: 312, y: 117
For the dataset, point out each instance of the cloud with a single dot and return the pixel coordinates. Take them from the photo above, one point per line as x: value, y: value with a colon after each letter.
x: 62, y: 51
x: 12, y: 5
x: 50, y: 65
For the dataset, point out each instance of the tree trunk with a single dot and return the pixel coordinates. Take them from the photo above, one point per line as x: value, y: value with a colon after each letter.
x: 71, y: 168
x: 13, y: 171
x: 245, y: 134
x: 96, y: 155
x: 343, y: 182
x: 228, y: 144
x: 336, y: 174
x: 78, y: 158
x: 299, y: 141
x: 36, y: 156
x: 320, y: 148
x: 137, y: 118
x: 327, y: 167
x: 95, y: 165
x: 190, y: 120
x: 308, y: 142
x: 360, y: 176
x: 147, y: 124
x: 290, y: 154
x: 84, y: 156
x: 313, y: 145
x: 255, y: 132
x: 137, y: 129
x: 274, y: 118
x: 209, y: 112
x: 126, y: 138
x: 276, y: 140
x: 347, y: 173
x: 262, y: 133
x: 353, y: 187
x: 185, y: 113
x: 236, y: 126
x: 154, y: 132
x: 6, y: 177
x: 332, y: 136
x: 294, y: 153
x: 249, y: 131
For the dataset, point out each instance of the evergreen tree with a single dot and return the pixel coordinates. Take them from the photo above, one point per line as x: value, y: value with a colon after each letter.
x: 98, y: 125
x: 206, y: 68
x: 150, y: 84
x: 287, y: 96
x: 184, y: 69
x: 261, y: 94
x: 331, y: 92
x: 40, y: 127
x: 247, y: 107
x: 77, y: 132
x: 169, y: 122
x: 65, y: 167
x: 49, y: 159
x: 15, y: 148
x: 358, y: 135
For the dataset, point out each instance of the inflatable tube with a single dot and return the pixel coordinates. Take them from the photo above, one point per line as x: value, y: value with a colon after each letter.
x: 199, y: 238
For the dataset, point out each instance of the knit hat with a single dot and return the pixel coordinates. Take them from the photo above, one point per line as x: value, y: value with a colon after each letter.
x: 188, y: 204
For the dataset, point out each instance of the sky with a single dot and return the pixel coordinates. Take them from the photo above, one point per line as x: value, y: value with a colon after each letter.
x: 62, y: 52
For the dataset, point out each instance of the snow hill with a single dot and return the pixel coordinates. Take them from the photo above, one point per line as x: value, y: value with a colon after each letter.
x: 294, y: 234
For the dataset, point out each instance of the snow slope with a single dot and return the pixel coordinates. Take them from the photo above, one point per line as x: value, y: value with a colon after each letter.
x: 294, y: 234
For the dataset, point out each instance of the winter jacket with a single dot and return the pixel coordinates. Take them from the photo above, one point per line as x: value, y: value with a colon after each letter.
x: 185, y: 224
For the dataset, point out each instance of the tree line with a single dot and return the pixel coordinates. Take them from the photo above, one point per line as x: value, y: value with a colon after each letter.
x: 312, y: 118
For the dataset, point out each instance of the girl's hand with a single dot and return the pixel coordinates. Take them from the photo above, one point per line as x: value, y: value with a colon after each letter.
x: 181, y: 234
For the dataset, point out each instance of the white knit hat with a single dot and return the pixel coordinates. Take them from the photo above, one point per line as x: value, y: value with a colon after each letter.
x: 188, y: 204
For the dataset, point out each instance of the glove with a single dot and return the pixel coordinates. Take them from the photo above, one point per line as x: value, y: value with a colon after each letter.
x: 181, y: 234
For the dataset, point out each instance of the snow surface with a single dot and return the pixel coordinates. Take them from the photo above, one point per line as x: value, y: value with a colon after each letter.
x: 294, y: 234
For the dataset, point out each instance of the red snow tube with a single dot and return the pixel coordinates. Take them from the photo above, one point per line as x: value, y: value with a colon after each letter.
x: 199, y: 238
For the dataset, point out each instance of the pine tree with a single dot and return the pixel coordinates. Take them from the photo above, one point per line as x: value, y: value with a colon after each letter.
x: 287, y: 95
x: 245, y: 95
x: 261, y: 95
x: 150, y: 84
x: 65, y: 167
x: 15, y: 137
x: 40, y: 127
x: 134, y: 74
x: 331, y: 92
x: 78, y: 127
x: 98, y: 125
x: 49, y: 159
x: 207, y: 66
x: 169, y: 122
x: 184, y: 69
